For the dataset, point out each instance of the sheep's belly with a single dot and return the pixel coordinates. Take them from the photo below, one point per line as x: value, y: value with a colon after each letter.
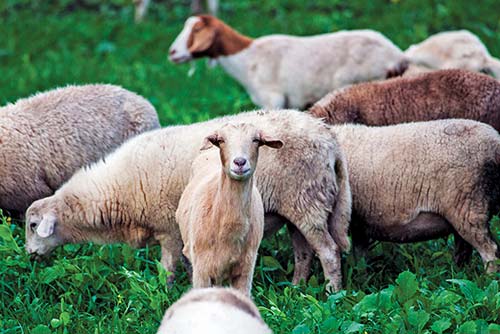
x: 426, y: 226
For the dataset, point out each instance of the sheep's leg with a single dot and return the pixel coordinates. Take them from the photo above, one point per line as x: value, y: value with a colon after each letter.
x: 269, y: 99
x: 463, y: 250
x: 272, y: 223
x: 479, y: 237
x: 213, y: 6
x: 200, y: 280
x: 196, y: 7
x: 360, y: 240
x: 328, y: 252
x: 171, y: 250
x: 141, y: 7
x: 303, y: 255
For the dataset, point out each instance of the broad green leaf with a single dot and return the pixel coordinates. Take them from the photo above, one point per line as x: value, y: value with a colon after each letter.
x: 441, y: 325
x: 301, y: 329
x: 468, y: 327
x: 418, y: 319
x: 406, y: 287
x: 351, y: 327
x: 470, y: 290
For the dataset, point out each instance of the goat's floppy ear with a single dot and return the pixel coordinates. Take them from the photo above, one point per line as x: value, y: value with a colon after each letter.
x: 212, y: 140
x: 47, y: 226
x: 202, y: 40
x: 269, y: 141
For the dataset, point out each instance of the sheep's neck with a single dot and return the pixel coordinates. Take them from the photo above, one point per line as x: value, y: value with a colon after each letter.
x: 227, y: 42
x: 233, y: 202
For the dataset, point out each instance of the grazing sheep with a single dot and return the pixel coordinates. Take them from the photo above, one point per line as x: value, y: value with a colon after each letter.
x: 281, y: 71
x: 429, y: 96
x: 45, y: 138
x: 420, y: 181
x: 452, y: 49
x: 141, y: 8
x: 133, y: 194
x: 213, y: 311
x: 220, y: 215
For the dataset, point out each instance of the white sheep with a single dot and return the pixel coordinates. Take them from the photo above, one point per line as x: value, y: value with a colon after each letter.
x: 213, y: 311
x: 280, y: 71
x: 420, y: 181
x: 133, y: 194
x: 141, y: 8
x: 220, y: 213
x: 452, y: 49
x: 45, y: 138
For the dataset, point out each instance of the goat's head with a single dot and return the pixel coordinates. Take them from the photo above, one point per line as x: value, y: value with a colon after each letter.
x: 239, y: 148
x: 195, y: 39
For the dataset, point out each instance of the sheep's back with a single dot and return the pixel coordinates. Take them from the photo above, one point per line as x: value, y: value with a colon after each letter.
x: 398, y: 170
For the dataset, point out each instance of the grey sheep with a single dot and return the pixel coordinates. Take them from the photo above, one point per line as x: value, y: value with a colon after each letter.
x: 45, y: 138
x: 420, y: 181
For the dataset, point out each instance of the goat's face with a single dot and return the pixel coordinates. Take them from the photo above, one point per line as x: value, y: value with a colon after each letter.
x: 197, y: 36
x: 41, y: 228
x: 239, y: 148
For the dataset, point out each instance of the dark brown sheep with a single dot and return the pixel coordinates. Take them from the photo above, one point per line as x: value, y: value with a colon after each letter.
x: 429, y: 96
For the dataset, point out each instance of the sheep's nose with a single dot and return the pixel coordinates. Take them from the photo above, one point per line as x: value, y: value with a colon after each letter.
x: 240, y: 162
x: 172, y: 52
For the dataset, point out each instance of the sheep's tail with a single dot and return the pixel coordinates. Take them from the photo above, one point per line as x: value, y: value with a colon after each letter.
x: 340, y: 217
x: 399, y: 69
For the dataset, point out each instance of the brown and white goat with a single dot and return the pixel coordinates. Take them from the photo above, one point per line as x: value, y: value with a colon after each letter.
x: 220, y: 213
x: 280, y: 71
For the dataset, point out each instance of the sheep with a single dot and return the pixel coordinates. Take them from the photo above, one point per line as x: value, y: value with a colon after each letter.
x: 428, y: 96
x: 452, y: 49
x: 220, y: 214
x: 48, y: 136
x: 133, y: 194
x: 141, y: 8
x: 281, y: 71
x: 420, y: 181
x: 213, y: 311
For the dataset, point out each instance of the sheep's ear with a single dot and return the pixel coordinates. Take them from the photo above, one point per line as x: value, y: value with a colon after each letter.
x: 47, y: 226
x: 269, y: 141
x: 212, y: 140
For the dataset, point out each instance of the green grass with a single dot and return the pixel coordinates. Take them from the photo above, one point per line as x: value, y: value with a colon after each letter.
x: 114, y: 289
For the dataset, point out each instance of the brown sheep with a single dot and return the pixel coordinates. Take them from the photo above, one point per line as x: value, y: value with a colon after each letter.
x: 429, y: 96
x: 45, y: 138
x: 220, y: 213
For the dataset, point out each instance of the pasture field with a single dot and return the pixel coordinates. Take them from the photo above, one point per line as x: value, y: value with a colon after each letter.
x: 87, y: 288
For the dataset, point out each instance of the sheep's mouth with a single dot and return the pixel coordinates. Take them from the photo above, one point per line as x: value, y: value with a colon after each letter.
x: 180, y: 60
x: 240, y: 173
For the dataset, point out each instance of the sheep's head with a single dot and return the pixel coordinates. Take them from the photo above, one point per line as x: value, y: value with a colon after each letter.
x: 42, y: 227
x: 239, y: 148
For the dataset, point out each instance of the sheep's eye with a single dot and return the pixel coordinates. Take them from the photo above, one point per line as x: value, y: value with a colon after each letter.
x: 256, y: 140
x: 221, y: 141
x: 32, y: 227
